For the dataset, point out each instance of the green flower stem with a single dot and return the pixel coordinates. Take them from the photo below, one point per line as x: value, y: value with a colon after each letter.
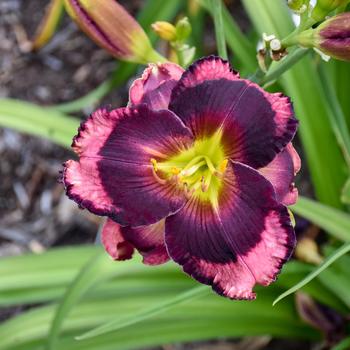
x: 292, y: 38
x: 216, y: 7
x: 277, y: 69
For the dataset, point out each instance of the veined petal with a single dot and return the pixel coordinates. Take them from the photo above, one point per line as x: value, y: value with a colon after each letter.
x: 114, y: 241
x: 155, y: 86
x: 114, y: 176
x: 207, y: 68
x: 255, y: 125
x: 242, y: 241
x: 149, y: 241
x: 120, y: 242
x: 281, y: 172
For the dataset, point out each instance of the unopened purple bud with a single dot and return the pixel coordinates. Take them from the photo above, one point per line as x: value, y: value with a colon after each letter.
x: 332, y: 37
x: 113, y: 28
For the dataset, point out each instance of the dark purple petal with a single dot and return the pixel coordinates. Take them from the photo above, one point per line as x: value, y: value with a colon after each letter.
x: 114, y: 176
x: 281, y: 172
x: 114, y: 241
x: 149, y: 241
x: 242, y: 241
x: 256, y: 125
x: 155, y: 86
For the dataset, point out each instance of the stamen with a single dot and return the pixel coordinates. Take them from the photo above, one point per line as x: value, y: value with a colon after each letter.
x: 175, y: 170
x: 158, y: 179
x: 188, y: 192
x: 223, y: 166
x: 210, y: 164
x: 206, y: 182
x: 154, y: 164
x: 204, y: 186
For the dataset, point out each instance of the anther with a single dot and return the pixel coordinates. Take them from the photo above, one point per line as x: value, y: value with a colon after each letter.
x: 154, y: 164
x: 223, y: 166
x: 204, y: 185
x: 175, y: 171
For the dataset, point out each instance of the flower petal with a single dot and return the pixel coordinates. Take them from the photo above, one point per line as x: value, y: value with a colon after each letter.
x: 120, y: 241
x: 114, y: 241
x: 155, y: 86
x: 149, y: 241
x: 281, y: 172
x: 255, y: 125
x: 114, y: 176
x: 242, y: 241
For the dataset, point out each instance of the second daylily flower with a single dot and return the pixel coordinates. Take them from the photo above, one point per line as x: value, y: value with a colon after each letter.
x: 198, y: 168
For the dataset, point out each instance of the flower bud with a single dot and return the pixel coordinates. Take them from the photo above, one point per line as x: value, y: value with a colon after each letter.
x: 298, y: 6
x: 331, y: 37
x: 183, y: 29
x: 324, y: 7
x: 111, y: 27
x: 165, y: 30
x: 48, y: 25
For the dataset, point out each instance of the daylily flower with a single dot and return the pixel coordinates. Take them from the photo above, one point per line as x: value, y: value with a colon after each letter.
x: 198, y: 168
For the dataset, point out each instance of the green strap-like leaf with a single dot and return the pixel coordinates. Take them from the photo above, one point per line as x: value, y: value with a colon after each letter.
x: 216, y: 9
x: 334, y: 221
x: 343, y: 345
x: 238, y: 43
x: 331, y: 259
x: 120, y: 323
x: 36, y: 120
x: 99, y: 268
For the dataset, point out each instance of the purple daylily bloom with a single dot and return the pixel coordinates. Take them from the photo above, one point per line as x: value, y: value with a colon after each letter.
x: 198, y: 168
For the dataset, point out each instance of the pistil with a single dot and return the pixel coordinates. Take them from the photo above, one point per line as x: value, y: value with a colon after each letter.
x: 191, y: 176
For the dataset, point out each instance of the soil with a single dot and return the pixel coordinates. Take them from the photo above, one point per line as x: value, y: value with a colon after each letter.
x: 34, y: 211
